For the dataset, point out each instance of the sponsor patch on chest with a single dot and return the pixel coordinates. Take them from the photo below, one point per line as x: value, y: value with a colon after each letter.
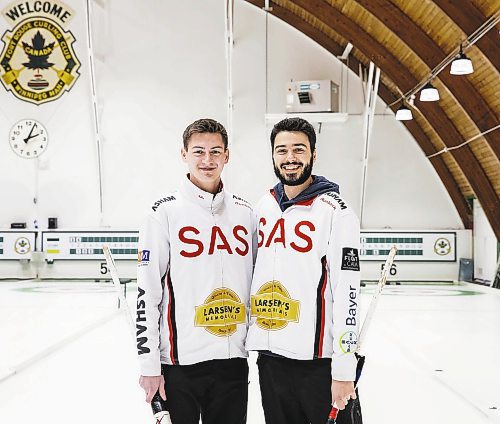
x: 221, y: 312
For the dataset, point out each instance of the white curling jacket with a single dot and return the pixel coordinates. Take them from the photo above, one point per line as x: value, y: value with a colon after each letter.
x: 194, y: 273
x: 305, y: 287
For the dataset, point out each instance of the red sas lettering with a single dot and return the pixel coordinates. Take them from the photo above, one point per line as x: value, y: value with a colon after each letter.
x: 218, y: 241
x: 184, y: 239
x: 303, y: 236
x: 280, y: 224
x: 223, y: 246
x: 303, y: 243
x: 239, y: 251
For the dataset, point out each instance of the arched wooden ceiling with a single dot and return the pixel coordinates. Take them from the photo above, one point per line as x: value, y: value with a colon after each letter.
x: 406, y: 40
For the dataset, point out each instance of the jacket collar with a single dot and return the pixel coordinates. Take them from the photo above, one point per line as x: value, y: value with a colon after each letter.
x: 209, y: 201
x: 319, y: 186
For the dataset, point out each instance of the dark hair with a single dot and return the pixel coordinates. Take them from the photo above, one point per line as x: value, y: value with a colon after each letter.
x: 295, y: 124
x: 204, y: 125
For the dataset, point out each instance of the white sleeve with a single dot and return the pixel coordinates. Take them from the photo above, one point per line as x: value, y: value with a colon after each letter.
x: 343, y: 260
x: 153, y: 260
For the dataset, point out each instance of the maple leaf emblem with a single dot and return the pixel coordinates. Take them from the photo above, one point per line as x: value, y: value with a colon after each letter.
x: 38, y: 53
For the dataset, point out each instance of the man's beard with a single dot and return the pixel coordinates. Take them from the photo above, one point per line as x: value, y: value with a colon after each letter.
x: 297, y: 179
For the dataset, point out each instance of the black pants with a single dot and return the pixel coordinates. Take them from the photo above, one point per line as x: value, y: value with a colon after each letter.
x: 299, y: 392
x: 217, y: 389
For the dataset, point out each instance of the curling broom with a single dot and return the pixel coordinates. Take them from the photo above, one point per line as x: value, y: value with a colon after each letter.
x: 332, y: 417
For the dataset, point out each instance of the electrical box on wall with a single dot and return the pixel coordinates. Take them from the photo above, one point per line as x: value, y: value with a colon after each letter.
x: 312, y: 96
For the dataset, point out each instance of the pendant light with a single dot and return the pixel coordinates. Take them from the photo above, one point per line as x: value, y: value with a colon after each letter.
x: 404, y: 113
x: 461, y: 65
x: 429, y: 93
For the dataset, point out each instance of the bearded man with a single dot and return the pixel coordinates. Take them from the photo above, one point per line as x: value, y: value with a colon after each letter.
x: 305, y: 288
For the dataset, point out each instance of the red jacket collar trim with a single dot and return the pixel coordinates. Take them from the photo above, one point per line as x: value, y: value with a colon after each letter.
x: 307, y: 202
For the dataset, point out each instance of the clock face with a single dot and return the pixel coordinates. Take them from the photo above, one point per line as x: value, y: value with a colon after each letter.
x: 28, y: 138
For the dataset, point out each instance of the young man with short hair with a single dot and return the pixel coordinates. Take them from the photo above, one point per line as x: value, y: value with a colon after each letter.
x: 195, y: 267
x: 305, y: 287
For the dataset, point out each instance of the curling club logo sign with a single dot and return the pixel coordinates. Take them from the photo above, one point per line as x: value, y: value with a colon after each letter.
x: 37, y: 62
x: 22, y: 246
x: 442, y: 246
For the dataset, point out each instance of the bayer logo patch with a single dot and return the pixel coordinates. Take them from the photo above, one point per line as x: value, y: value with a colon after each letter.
x: 349, y: 342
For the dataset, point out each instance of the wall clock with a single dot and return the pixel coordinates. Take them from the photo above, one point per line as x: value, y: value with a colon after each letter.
x: 28, y: 138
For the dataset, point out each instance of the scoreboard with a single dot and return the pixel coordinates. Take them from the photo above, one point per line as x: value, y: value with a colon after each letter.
x: 64, y: 245
x: 421, y: 246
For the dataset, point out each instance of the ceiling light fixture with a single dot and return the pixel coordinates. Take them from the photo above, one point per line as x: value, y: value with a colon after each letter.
x: 404, y: 113
x: 429, y: 93
x: 461, y: 65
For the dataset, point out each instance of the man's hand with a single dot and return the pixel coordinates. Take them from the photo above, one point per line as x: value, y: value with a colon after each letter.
x: 151, y: 385
x: 342, y: 391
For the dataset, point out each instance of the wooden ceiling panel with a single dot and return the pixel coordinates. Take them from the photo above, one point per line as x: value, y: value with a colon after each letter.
x: 487, y: 7
x: 458, y: 175
x: 429, y: 131
x: 416, y: 39
x: 469, y: 16
x: 485, y: 79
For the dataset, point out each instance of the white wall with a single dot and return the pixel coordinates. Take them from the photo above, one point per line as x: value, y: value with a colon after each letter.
x: 162, y: 65
x: 166, y: 68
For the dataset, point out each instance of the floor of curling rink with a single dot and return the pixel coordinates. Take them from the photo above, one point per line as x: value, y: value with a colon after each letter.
x: 67, y: 356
